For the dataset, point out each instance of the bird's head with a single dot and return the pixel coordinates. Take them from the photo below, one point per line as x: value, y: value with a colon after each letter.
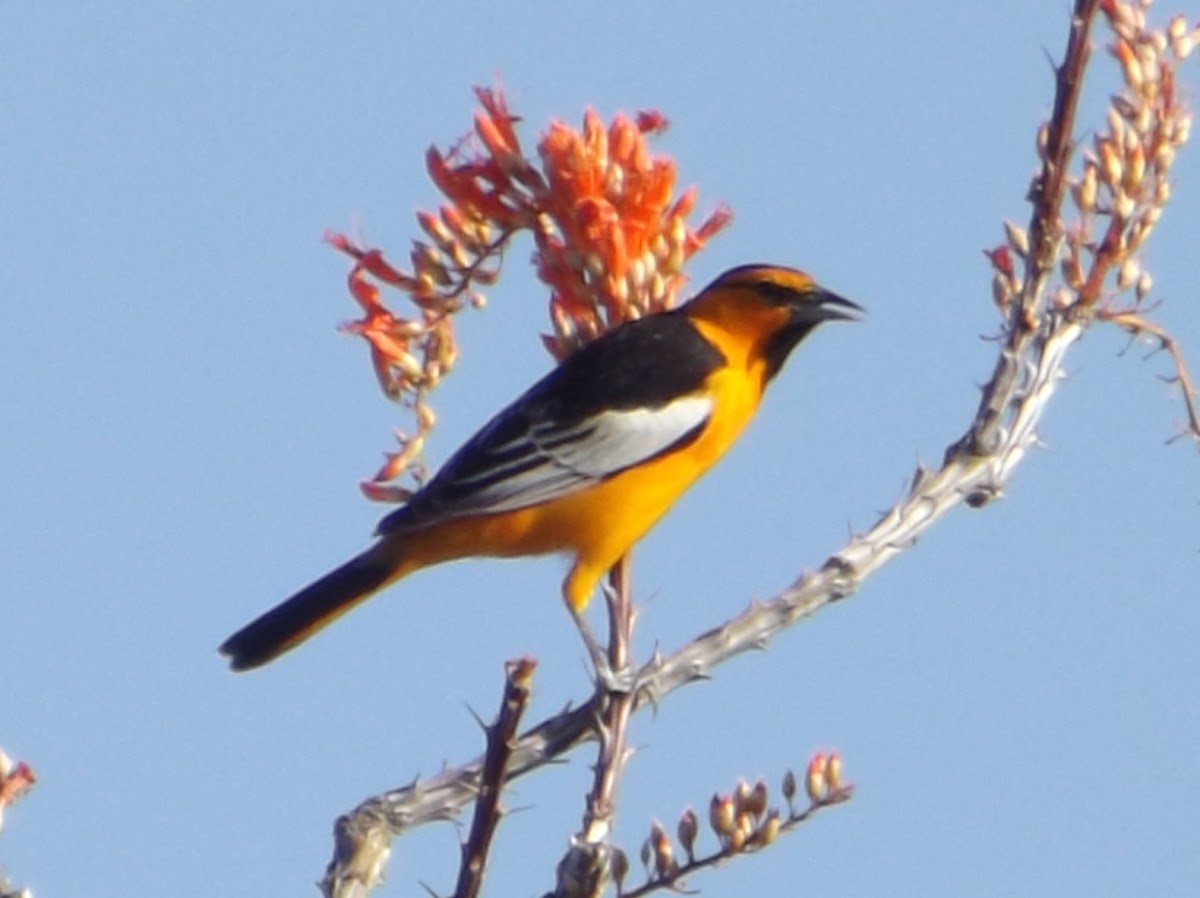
x: 771, y: 306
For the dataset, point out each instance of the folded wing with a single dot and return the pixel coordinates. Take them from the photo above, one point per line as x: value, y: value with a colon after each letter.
x: 516, y: 461
x: 632, y: 395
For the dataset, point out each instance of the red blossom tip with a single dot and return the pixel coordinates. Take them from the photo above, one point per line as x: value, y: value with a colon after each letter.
x: 651, y: 121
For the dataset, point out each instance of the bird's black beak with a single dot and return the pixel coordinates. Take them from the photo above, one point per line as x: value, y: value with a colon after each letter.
x: 824, y: 305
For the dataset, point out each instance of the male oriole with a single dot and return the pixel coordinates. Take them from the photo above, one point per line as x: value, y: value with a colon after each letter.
x: 589, y: 458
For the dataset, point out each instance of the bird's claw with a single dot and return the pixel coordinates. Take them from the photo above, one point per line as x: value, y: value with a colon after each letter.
x: 615, y: 682
x: 621, y: 682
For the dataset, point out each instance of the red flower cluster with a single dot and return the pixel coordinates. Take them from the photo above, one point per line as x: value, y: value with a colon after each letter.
x: 610, y: 240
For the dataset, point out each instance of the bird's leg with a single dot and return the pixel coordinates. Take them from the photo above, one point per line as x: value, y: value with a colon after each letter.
x: 595, y: 651
x: 618, y: 598
x: 621, y: 680
x: 611, y: 666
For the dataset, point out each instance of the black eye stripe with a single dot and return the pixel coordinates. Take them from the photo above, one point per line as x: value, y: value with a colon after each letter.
x: 776, y: 292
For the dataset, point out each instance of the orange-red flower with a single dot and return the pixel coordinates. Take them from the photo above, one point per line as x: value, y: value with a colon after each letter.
x: 610, y: 241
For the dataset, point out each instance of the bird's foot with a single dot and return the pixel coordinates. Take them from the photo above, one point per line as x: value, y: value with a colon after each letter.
x: 614, y: 682
x: 621, y: 682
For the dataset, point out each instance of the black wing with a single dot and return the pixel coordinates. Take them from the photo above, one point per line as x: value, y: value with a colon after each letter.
x: 629, y: 396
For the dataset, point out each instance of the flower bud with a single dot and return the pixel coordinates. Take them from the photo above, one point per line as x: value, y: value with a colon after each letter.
x: 758, y: 798
x: 833, y: 771
x: 788, y: 788
x: 1018, y: 240
x: 1086, y: 198
x: 1144, y: 284
x: 814, y: 778
x: 1123, y: 204
x: 721, y: 815
x: 736, y: 841
x: 620, y: 868
x: 769, y: 831
x: 1130, y: 65
x: 741, y: 794
x: 1111, y: 163
x: 686, y: 829
x: 1135, y: 170
x: 664, y: 853
x: 435, y: 228
x: 1128, y: 273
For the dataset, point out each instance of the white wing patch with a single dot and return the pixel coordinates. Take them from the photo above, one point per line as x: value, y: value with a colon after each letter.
x: 548, y: 460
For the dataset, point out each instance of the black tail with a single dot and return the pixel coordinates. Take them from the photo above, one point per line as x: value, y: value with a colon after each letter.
x: 312, y: 608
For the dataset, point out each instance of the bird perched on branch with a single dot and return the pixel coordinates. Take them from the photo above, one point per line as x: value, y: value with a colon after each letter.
x: 589, y: 458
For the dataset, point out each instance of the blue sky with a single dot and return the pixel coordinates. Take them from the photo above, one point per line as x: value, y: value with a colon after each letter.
x: 184, y: 432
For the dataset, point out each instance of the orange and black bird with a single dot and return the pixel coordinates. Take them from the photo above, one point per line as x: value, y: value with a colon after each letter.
x: 589, y: 458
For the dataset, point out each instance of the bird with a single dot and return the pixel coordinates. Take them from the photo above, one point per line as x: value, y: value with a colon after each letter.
x: 589, y: 458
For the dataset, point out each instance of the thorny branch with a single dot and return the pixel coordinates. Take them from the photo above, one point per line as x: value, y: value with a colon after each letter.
x: 1045, y: 234
x: 1140, y: 326
x: 488, y: 809
x: 584, y: 870
x: 1120, y: 193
